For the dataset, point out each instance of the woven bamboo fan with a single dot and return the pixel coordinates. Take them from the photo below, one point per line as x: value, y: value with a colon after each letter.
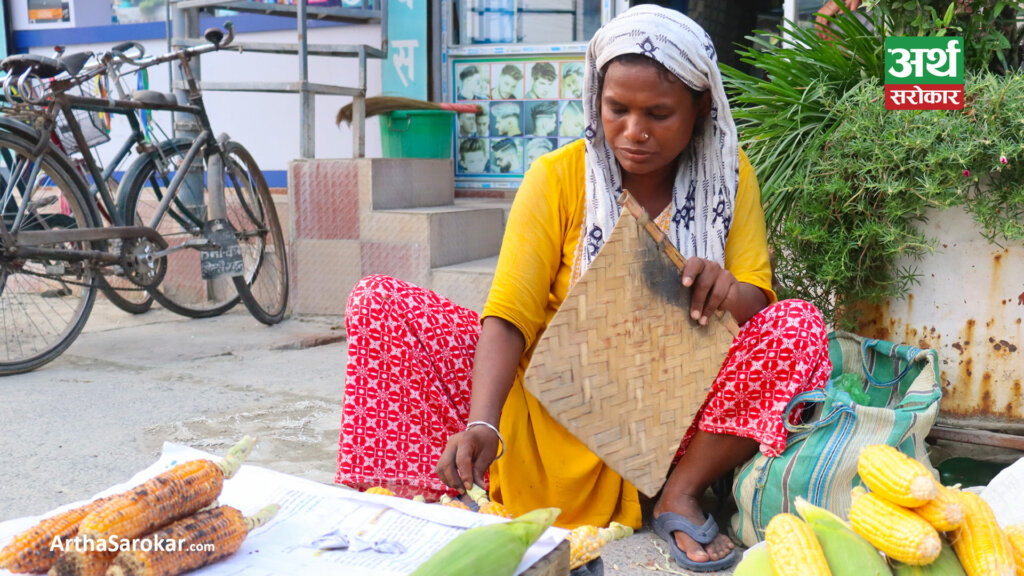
x: 622, y: 366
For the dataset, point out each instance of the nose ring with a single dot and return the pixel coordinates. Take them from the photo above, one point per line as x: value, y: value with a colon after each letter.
x: 645, y: 136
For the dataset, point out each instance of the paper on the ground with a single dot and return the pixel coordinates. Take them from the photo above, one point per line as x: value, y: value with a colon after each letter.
x: 1003, y: 494
x: 308, y: 511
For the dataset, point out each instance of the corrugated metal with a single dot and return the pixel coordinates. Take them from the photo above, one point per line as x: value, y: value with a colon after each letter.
x: 969, y: 306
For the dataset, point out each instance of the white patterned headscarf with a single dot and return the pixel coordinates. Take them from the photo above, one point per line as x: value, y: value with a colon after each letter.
x: 705, y: 187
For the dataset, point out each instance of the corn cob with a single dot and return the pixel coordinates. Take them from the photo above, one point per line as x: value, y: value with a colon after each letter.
x: 379, y: 490
x: 946, y: 511
x: 979, y: 542
x: 207, y: 537
x: 586, y: 542
x: 479, y: 495
x: 419, y: 498
x: 82, y: 563
x: 756, y: 562
x: 895, y: 476
x: 847, y: 553
x: 491, y: 550
x: 945, y: 565
x: 897, y: 531
x: 30, y: 551
x: 1015, y: 532
x: 447, y: 500
x: 174, y: 494
x: 794, y: 548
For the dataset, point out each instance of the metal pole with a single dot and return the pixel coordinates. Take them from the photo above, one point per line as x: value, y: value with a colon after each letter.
x: 169, y: 20
x: 307, y: 109
x: 186, y: 25
x: 359, y: 111
x: 178, y: 30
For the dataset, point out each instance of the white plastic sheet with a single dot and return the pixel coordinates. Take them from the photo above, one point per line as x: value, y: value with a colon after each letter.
x: 1004, y: 492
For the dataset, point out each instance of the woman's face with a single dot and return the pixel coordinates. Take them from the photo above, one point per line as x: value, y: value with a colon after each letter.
x: 637, y: 99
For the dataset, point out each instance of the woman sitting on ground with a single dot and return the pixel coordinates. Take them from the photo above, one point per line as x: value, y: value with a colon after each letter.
x: 434, y: 393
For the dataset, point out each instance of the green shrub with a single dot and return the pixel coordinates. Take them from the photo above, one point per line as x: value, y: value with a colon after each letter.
x: 846, y: 183
x: 863, y: 201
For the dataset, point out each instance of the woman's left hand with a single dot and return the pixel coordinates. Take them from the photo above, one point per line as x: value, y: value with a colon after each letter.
x: 714, y: 288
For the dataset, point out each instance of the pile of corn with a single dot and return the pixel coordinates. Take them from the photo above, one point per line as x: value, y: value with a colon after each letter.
x: 922, y: 527
x: 177, y: 505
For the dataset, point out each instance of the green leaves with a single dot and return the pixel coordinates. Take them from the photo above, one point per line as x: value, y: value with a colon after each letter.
x: 861, y: 202
x: 845, y: 183
x: 794, y: 109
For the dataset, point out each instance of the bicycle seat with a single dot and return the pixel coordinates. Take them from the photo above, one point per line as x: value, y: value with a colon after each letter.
x: 41, y: 66
x: 155, y: 97
x: 73, y: 63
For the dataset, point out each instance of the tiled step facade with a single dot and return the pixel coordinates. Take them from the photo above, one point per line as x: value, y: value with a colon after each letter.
x: 349, y: 218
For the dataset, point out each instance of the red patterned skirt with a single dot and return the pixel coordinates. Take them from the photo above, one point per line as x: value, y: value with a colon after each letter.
x: 410, y: 364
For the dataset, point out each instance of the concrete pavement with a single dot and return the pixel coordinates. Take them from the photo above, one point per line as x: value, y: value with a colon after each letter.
x: 100, y: 412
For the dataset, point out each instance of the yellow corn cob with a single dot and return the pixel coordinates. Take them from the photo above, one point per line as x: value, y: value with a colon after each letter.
x: 380, y: 490
x: 586, y: 542
x: 82, y: 563
x: 895, y: 476
x: 847, y: 553
x: 447, y: 500
x: 494, y: 549
x: 176, y: 493
x: 30, y: 550
x: 205, y: 538
x: 479, y: 495
x: 1015, y: 532
x: 419, y: 498
x: 794, y: 548
x: 897, y: 531
x: 979, y: 542
x: 946, y: 511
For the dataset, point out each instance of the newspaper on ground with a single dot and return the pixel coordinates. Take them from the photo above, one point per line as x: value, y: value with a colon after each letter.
x: 321, y: 529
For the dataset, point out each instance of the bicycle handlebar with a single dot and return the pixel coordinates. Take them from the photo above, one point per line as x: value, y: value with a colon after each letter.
x: 187, y: 52
x: 122, y: 48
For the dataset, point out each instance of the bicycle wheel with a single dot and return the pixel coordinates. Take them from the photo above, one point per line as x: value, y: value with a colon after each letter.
x: 183, y: 290
x: 264, y: 287
x: 124, y: 294
x: 44, y: 303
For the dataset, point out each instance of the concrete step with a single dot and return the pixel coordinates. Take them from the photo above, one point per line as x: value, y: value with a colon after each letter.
x: 505, y: 205
x: 467, y: 284
x: 450, y: 234
x: 411, y: 183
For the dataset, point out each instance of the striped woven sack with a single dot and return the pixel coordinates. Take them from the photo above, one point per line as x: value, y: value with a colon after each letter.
x: 820, y: 459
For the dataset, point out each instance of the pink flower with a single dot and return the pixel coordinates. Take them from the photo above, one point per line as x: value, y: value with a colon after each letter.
x: 1004, y: 160
x: 967, y: 172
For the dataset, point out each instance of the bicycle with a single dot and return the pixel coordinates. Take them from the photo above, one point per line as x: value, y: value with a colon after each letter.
x: 52, y: 248
x: 115, y: 287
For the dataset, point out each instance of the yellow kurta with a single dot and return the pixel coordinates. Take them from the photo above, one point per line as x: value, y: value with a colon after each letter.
x: 544, y: 465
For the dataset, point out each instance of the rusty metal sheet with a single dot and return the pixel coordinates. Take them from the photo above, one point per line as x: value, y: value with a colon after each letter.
x: 968, y: 306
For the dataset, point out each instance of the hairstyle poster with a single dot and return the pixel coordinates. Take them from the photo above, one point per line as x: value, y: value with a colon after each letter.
x: 528, y: 106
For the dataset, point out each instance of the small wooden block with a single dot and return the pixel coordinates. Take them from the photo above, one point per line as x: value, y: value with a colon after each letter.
x: 554, y: 563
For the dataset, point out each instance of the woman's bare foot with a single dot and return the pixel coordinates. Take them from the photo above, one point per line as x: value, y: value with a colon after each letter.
x: 688, y: 507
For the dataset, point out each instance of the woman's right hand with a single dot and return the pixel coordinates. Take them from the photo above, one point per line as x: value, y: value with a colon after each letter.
x: 466, y: 458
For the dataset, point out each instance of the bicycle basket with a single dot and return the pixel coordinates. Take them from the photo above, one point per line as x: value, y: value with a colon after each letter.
x: 94, y: 127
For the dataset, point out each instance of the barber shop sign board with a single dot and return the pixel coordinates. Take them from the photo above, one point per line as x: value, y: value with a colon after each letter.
x: 924, y: 73
x: 529, y: 106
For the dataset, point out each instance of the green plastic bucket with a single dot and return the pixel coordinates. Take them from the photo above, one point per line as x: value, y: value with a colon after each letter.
x: 417, y: 133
